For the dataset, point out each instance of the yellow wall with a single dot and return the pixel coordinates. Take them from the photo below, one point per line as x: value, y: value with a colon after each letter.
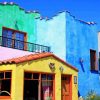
x: 40, y: 65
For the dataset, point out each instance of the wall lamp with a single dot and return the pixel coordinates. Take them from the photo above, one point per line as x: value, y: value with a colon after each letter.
x: 81, y: 60
x: 52, y: 65
x: 61, y: 68
x: 75, y: 79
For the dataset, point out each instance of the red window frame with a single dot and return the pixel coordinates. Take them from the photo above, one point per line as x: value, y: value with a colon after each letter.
x: 6, y: 97
x: 13, y: 37
x: 40, y: 81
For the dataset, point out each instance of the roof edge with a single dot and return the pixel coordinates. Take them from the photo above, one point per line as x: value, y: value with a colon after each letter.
x: 34, y: 57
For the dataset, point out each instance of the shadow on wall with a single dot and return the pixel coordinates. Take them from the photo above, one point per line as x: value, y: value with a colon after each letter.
x: 81, y: 63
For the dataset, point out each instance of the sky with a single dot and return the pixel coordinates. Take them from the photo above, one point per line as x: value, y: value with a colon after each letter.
x: 86, y: 10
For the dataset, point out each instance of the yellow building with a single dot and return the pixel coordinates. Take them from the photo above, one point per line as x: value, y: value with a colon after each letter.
x: 41, y: 76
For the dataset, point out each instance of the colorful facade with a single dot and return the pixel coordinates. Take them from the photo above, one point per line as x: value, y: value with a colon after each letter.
x: 41, y: 76
x: 73, y: 40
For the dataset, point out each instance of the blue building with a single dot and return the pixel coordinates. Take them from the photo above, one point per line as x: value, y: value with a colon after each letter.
x: 76, y: 42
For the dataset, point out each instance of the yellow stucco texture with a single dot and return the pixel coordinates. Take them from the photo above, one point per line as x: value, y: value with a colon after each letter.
x: 40, y: 65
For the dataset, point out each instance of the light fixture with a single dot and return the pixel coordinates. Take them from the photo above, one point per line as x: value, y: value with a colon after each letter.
x: 81, y: 60
x: 61, y: 68
x: 52, y: 65
x: 75, y: 79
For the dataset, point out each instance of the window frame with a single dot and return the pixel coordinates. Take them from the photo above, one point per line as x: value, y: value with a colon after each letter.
x: 93, y: 56
x: 40, y: 81
x: 13, y: 35
x: 4, y: 72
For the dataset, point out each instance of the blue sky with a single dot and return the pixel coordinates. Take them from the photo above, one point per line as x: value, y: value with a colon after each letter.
x: 87, y: 10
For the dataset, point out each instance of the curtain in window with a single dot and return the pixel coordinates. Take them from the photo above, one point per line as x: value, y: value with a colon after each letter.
x: 47, y: 90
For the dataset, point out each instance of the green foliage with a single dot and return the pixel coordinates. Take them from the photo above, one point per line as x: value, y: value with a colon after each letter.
x: 48, y: 98
x: 92, y: 96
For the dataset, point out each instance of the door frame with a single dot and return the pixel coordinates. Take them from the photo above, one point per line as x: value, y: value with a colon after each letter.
x: 70, y: 85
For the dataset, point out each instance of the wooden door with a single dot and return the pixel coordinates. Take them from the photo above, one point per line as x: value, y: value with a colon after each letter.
x: 66, y: 88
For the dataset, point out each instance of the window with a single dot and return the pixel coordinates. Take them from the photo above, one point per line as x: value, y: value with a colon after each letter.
x: 5, y: 83
x: 93, y: 60
x: 13, y: 38
x: 37, y: 85
x: 47, y: 87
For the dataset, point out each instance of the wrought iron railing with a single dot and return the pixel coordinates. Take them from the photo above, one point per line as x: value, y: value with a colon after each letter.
x: 22, y: 45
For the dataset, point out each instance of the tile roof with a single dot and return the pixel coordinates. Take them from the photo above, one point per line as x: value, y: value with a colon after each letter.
x: 34, y: 57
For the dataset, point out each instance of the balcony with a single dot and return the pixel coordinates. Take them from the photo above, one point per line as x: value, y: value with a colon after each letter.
x: 22, y: 45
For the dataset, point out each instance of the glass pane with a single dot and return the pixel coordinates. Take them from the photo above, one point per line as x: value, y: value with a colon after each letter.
x: 7, y: 74
x: 19, y: 38
x: 7, y: 41
x: 43, y: 76
x: 9, y: 34
x: 49, y: 77
x: 28, y: 75
x: 5, y: 87
x: 1, y: 75
x: 47, y: 90
x: 4, y: 33
x: 35, y: 76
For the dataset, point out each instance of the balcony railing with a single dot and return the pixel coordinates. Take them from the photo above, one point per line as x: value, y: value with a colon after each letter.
x: 22, y: 45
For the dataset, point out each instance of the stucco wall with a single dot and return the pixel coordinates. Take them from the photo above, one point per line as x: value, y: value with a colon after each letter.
x: 52, y: 32
x: 71, y: 40
x: 40, y: 65
x: 12, y: 16
x: 82, y: 37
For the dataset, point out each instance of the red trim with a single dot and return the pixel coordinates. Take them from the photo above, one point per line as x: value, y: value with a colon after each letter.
x: 5, y: 97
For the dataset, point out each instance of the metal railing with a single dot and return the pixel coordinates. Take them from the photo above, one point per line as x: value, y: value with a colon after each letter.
x: 22, y: 45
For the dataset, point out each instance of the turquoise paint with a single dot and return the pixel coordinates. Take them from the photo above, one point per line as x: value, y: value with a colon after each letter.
x: 12, y: 16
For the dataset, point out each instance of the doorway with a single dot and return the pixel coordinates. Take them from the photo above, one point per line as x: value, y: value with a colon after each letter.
x: 66, y: 88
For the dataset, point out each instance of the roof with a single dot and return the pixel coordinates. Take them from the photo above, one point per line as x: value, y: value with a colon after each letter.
x: 8, y: 53
x: 34, y: 57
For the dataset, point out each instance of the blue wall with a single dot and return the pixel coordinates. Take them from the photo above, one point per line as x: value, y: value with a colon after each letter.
x: 80, y: 38
x: 71, y: 39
